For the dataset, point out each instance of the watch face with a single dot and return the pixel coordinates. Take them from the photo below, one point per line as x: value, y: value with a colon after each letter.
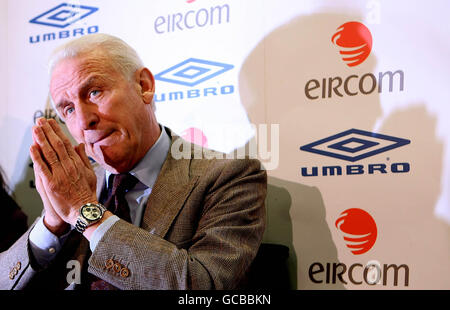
x: 91, y: 212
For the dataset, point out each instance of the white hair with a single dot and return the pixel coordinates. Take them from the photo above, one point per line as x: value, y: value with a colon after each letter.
x: 123, y: 57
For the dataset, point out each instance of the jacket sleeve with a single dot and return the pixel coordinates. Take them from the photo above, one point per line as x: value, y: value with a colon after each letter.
x: 15, y: 264
x: 227, y: 234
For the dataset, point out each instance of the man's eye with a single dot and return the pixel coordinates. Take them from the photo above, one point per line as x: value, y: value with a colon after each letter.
x: 68, y: 110
x: 94, y: 93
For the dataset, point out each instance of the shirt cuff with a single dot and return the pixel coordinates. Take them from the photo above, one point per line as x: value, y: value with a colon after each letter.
x: 101, y: 230
x: 44, y: 244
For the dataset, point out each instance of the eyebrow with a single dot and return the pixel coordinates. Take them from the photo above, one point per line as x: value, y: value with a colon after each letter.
x: 85, y: 86
x: 60, y: 104
x: 91, y: 80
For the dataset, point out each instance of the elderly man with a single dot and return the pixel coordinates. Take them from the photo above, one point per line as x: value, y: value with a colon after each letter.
x: 138, y: 219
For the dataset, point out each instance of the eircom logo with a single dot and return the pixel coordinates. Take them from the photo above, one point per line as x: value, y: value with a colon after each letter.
x: 354, y: 41
x: 359, y: 230
x: 63, y: 15
x: 196, y: 136
x: 360, y: 234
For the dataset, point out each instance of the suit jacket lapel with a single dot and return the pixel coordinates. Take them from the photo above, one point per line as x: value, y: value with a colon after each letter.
x: 173, y: 186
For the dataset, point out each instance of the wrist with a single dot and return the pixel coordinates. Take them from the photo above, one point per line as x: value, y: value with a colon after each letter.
x: 56, y: 227
x: 90, y: 229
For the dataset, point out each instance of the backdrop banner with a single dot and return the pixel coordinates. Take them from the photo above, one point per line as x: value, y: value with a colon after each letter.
x: 345, y: 103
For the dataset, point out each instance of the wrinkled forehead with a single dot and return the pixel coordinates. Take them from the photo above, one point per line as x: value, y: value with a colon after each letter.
x: 94, y: 61
x: 73, y: 70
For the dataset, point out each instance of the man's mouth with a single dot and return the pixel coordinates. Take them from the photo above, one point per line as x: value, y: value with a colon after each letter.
x: 99, y: 137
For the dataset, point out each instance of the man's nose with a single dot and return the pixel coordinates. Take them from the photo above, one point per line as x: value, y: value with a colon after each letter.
x: 87, y: 116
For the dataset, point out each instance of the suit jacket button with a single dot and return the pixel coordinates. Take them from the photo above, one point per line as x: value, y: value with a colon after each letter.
x: 12, y: 273
x: 124, y: 272
x: 109, y: 263
x: 18, y: 265
x: 117, y: 267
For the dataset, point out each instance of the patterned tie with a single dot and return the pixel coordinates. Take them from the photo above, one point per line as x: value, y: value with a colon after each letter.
x: 117, y: 204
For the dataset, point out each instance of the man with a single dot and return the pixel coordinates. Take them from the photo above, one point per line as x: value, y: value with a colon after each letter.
x: 177, y: 224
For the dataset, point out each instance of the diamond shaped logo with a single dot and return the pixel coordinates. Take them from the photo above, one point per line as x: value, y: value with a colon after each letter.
x: 193, y: 71
x: 63, y: 15
x: 354, y: 144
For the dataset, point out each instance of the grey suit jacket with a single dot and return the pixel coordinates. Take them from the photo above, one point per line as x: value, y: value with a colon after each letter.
x: 201, y: 229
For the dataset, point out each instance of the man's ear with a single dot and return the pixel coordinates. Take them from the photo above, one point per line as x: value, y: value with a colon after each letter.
x: 147, y: 83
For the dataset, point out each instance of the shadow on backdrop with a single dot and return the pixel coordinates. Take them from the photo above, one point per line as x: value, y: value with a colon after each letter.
x: 271, y: 84
x: 312, y: 236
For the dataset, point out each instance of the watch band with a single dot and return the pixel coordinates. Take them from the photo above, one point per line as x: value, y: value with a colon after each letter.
x: 80, y: 226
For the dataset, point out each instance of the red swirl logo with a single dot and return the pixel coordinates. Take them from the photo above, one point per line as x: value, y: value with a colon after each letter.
x: 359, y: 230
x: 354, y: 41
x: 196, y: 136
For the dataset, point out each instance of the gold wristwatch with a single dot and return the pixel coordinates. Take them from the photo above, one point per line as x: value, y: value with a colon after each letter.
x: 90, y: 213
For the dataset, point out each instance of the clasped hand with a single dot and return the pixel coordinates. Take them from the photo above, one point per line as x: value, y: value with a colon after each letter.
x: 63, y: 175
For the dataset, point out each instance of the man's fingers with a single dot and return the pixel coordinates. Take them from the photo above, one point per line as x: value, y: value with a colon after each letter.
x: 73, y: 154
x: 59, y: 142
x: 40, y: 167
x: 81, y: 151
x: 54, y: 140
x: 58, y: 131
x: 48, y: 154
x: 40, y: 188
